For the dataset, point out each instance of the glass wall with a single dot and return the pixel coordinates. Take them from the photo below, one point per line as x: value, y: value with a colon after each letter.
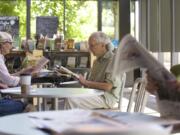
x: 110, y: 20
x: 77, y: 19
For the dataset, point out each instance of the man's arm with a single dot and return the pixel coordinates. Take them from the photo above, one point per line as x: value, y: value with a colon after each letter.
x: 96, y: 85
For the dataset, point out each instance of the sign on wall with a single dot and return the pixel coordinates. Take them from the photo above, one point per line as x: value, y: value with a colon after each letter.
x: 10, y: 24
x: 46, y: 25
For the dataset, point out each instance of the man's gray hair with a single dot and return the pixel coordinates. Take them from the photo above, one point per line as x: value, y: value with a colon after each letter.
x: 101, y: 37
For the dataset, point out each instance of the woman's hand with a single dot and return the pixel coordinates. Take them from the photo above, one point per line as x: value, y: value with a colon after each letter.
x: 28, y: 70
x: 3, y: 86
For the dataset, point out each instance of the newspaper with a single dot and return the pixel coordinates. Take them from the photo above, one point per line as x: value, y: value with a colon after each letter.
x: 67, y: 71
x: 40, y: 64
x: 131, y: 55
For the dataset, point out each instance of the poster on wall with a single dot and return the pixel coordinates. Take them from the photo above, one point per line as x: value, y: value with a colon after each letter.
x: 46, y: 25
x: 10, y: 24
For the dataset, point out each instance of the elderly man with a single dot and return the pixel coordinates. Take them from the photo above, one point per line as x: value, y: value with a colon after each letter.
x: 7, y: 105
x: 100, y: 46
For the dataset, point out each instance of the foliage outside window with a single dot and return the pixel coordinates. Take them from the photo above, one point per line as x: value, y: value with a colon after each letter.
x: 80, y: 16
x: 110, y: 18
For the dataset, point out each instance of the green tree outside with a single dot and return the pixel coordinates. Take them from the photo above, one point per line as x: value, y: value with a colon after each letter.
x: 47, y: 8
x: 80, y: 16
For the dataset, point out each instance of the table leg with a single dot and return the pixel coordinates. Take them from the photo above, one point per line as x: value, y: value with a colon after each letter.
x: 55, y: 104
x: 44, y: 104
x: 39, y: 107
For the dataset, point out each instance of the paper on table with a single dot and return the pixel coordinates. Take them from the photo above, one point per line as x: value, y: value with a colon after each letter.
x: 73, y: 119
x: 44, y: 72
x: 64, y: 115
x: 84, y: 122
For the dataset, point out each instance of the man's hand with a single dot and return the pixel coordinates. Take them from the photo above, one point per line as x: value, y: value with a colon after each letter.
x: 82, y: 80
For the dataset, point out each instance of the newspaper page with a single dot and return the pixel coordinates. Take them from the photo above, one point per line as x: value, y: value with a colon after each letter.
x: 131, y: 55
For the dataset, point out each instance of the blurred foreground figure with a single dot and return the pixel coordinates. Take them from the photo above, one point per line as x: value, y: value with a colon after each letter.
x: 131, y: 55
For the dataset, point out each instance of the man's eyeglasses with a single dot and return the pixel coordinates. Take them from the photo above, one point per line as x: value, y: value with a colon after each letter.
x: 93, y: 45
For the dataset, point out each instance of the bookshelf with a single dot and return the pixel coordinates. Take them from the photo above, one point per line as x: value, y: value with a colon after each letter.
x: 77, y: 61
x: 69, y: 59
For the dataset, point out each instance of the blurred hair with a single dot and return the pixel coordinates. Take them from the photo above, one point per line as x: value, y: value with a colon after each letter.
x: 101, y: 38
x: 5, y: 37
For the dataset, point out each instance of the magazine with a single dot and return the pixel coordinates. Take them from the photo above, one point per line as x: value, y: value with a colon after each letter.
x: 67, y: 71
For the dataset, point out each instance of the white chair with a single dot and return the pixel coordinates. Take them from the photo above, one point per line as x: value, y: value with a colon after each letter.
x: 138, y: 94
x: 123, y: 82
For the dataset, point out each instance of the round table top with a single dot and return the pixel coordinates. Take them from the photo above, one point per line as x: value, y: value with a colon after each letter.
x: 28, y: 123
x: 18, y: 124
x: 55, y: 92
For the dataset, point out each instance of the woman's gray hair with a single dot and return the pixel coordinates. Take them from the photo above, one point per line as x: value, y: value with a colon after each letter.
x: 100, y: 37
x: 5, y: 37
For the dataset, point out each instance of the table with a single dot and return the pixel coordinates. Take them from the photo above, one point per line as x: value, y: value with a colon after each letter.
x: 27, y: 126
x: 54, y: 93
x: 50, y: 77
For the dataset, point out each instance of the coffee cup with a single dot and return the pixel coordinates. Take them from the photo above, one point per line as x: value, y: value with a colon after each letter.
x: 25, y: 82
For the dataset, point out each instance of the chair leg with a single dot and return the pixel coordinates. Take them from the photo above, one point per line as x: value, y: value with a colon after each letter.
x: 123, y: 81
x: 141, y: 96
x: 132, y: 97
x: 145, y: 98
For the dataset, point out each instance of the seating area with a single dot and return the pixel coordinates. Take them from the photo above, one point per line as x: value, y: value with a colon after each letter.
x: 89, y: 67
